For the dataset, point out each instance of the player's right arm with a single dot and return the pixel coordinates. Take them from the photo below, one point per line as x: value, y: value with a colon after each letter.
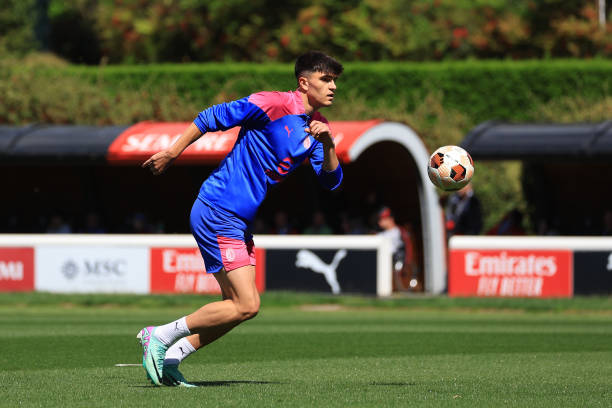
x: 160, y: 161
x: 217, y: 117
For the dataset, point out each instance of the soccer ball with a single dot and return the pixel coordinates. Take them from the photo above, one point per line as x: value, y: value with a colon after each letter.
x: 450, y: 168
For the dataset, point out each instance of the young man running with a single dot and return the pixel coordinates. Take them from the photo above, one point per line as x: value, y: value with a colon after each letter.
x: 279, y: 130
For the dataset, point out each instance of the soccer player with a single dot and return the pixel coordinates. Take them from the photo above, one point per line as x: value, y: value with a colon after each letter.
x: 279, y: 130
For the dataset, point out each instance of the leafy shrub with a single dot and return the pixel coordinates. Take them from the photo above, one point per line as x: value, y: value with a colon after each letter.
x: 17, y: 27
x: 134, y: 31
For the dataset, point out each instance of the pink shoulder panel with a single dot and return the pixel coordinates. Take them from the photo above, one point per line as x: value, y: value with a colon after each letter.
x: 278, y: 104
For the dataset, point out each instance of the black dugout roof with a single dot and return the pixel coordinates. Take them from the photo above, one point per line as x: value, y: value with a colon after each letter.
x: 497, y: 140
x: 489, y: 140
x: 52, y: 143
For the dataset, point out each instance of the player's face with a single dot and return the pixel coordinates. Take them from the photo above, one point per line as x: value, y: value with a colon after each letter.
x: 321, y: 89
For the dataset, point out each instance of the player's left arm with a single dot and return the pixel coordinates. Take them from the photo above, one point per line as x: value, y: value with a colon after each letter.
x: 323, y: 158
x: 322, y: 133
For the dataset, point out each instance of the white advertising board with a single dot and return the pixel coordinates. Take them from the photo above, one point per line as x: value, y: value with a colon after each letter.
x: 109, y: 263
x: 92, y: 269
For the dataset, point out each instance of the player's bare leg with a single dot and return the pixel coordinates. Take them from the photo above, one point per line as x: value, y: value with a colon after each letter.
x: 240, y: 303
x: 205, y: 325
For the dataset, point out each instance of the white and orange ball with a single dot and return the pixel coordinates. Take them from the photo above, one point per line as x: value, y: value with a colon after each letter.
x: 450, y: 168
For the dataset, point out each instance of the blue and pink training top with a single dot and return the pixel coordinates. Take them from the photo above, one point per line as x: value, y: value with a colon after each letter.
x: 272, y: 142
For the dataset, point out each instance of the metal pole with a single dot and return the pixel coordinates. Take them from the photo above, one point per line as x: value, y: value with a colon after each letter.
x: 602, y: 13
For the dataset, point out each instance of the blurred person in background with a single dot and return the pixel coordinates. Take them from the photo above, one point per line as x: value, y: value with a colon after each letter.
x: 318, y: 225
x: 137, y: 224
x: 93, y: 224
x: 279, y: 130
x: 463, y: 213
x: 510, y: 224
x: 546, y: 227
x: 405, y: 270
x: 351, y: 225
x: 58, y: 225
x: 390, y: 229
x: 282, y: 226
x: 259, y: 226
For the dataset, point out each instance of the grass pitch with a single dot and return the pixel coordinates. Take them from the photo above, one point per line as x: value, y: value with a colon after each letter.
x: 62, y: 351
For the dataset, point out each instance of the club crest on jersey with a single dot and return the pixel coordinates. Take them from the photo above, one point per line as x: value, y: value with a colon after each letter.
x: 306, y: 142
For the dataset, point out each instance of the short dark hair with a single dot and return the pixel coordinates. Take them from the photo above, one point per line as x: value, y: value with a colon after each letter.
x: 385, y: 212
x: 316, y: 61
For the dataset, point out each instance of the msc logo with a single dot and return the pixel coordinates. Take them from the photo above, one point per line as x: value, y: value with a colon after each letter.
x: 70, y: 270
x: 98, y: 268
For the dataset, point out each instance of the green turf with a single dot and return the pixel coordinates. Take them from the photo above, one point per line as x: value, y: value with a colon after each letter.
x: 59, y: 353
x: 279, y: 299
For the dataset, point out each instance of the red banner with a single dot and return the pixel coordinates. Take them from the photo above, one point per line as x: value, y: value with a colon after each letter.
x: 16, y: 269
x: 137, y: 143
x: 510, y: 273
x: 181, y: 270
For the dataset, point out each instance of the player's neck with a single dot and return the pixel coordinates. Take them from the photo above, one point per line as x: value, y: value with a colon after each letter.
x: 308, y: 108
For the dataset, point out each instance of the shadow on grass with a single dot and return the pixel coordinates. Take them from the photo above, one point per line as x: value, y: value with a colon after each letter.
x: 215, y: 383
x: 397, y: 384
x: 230, y: 383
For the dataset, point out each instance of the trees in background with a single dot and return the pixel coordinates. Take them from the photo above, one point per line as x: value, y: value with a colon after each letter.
x: 142, y: 31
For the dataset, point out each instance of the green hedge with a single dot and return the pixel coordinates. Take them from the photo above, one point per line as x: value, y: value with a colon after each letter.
x: 481, y: 90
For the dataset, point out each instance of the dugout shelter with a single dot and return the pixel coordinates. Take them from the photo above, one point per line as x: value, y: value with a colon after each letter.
x: 74, y: 170
x: 566, y: 169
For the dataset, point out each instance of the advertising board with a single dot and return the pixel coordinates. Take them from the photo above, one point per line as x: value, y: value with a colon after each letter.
x: 182, y: 270
x: 91, y: 269
x: 592, y: 272
x: 16, y: 269
x: 322, y: 270
x: 511, y: 273
x: 152, y: 263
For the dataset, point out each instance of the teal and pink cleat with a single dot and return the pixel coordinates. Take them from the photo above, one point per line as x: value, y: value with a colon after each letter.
x: 174, y: 378
x: 153, y: 354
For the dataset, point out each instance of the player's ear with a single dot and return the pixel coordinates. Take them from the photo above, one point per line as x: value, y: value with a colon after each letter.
x: 303, y: 83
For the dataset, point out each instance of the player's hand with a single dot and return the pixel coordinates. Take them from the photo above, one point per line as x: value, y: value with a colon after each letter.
x: 321, y: 132
x: 159, y: 162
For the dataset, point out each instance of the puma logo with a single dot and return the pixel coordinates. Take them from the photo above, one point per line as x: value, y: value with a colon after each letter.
x: 307, y: 259
x: 288, y: 131
x: 176, y: 328
x: 183, y: 352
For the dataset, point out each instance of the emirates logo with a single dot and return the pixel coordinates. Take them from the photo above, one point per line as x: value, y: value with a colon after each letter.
x: 230, y: 255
